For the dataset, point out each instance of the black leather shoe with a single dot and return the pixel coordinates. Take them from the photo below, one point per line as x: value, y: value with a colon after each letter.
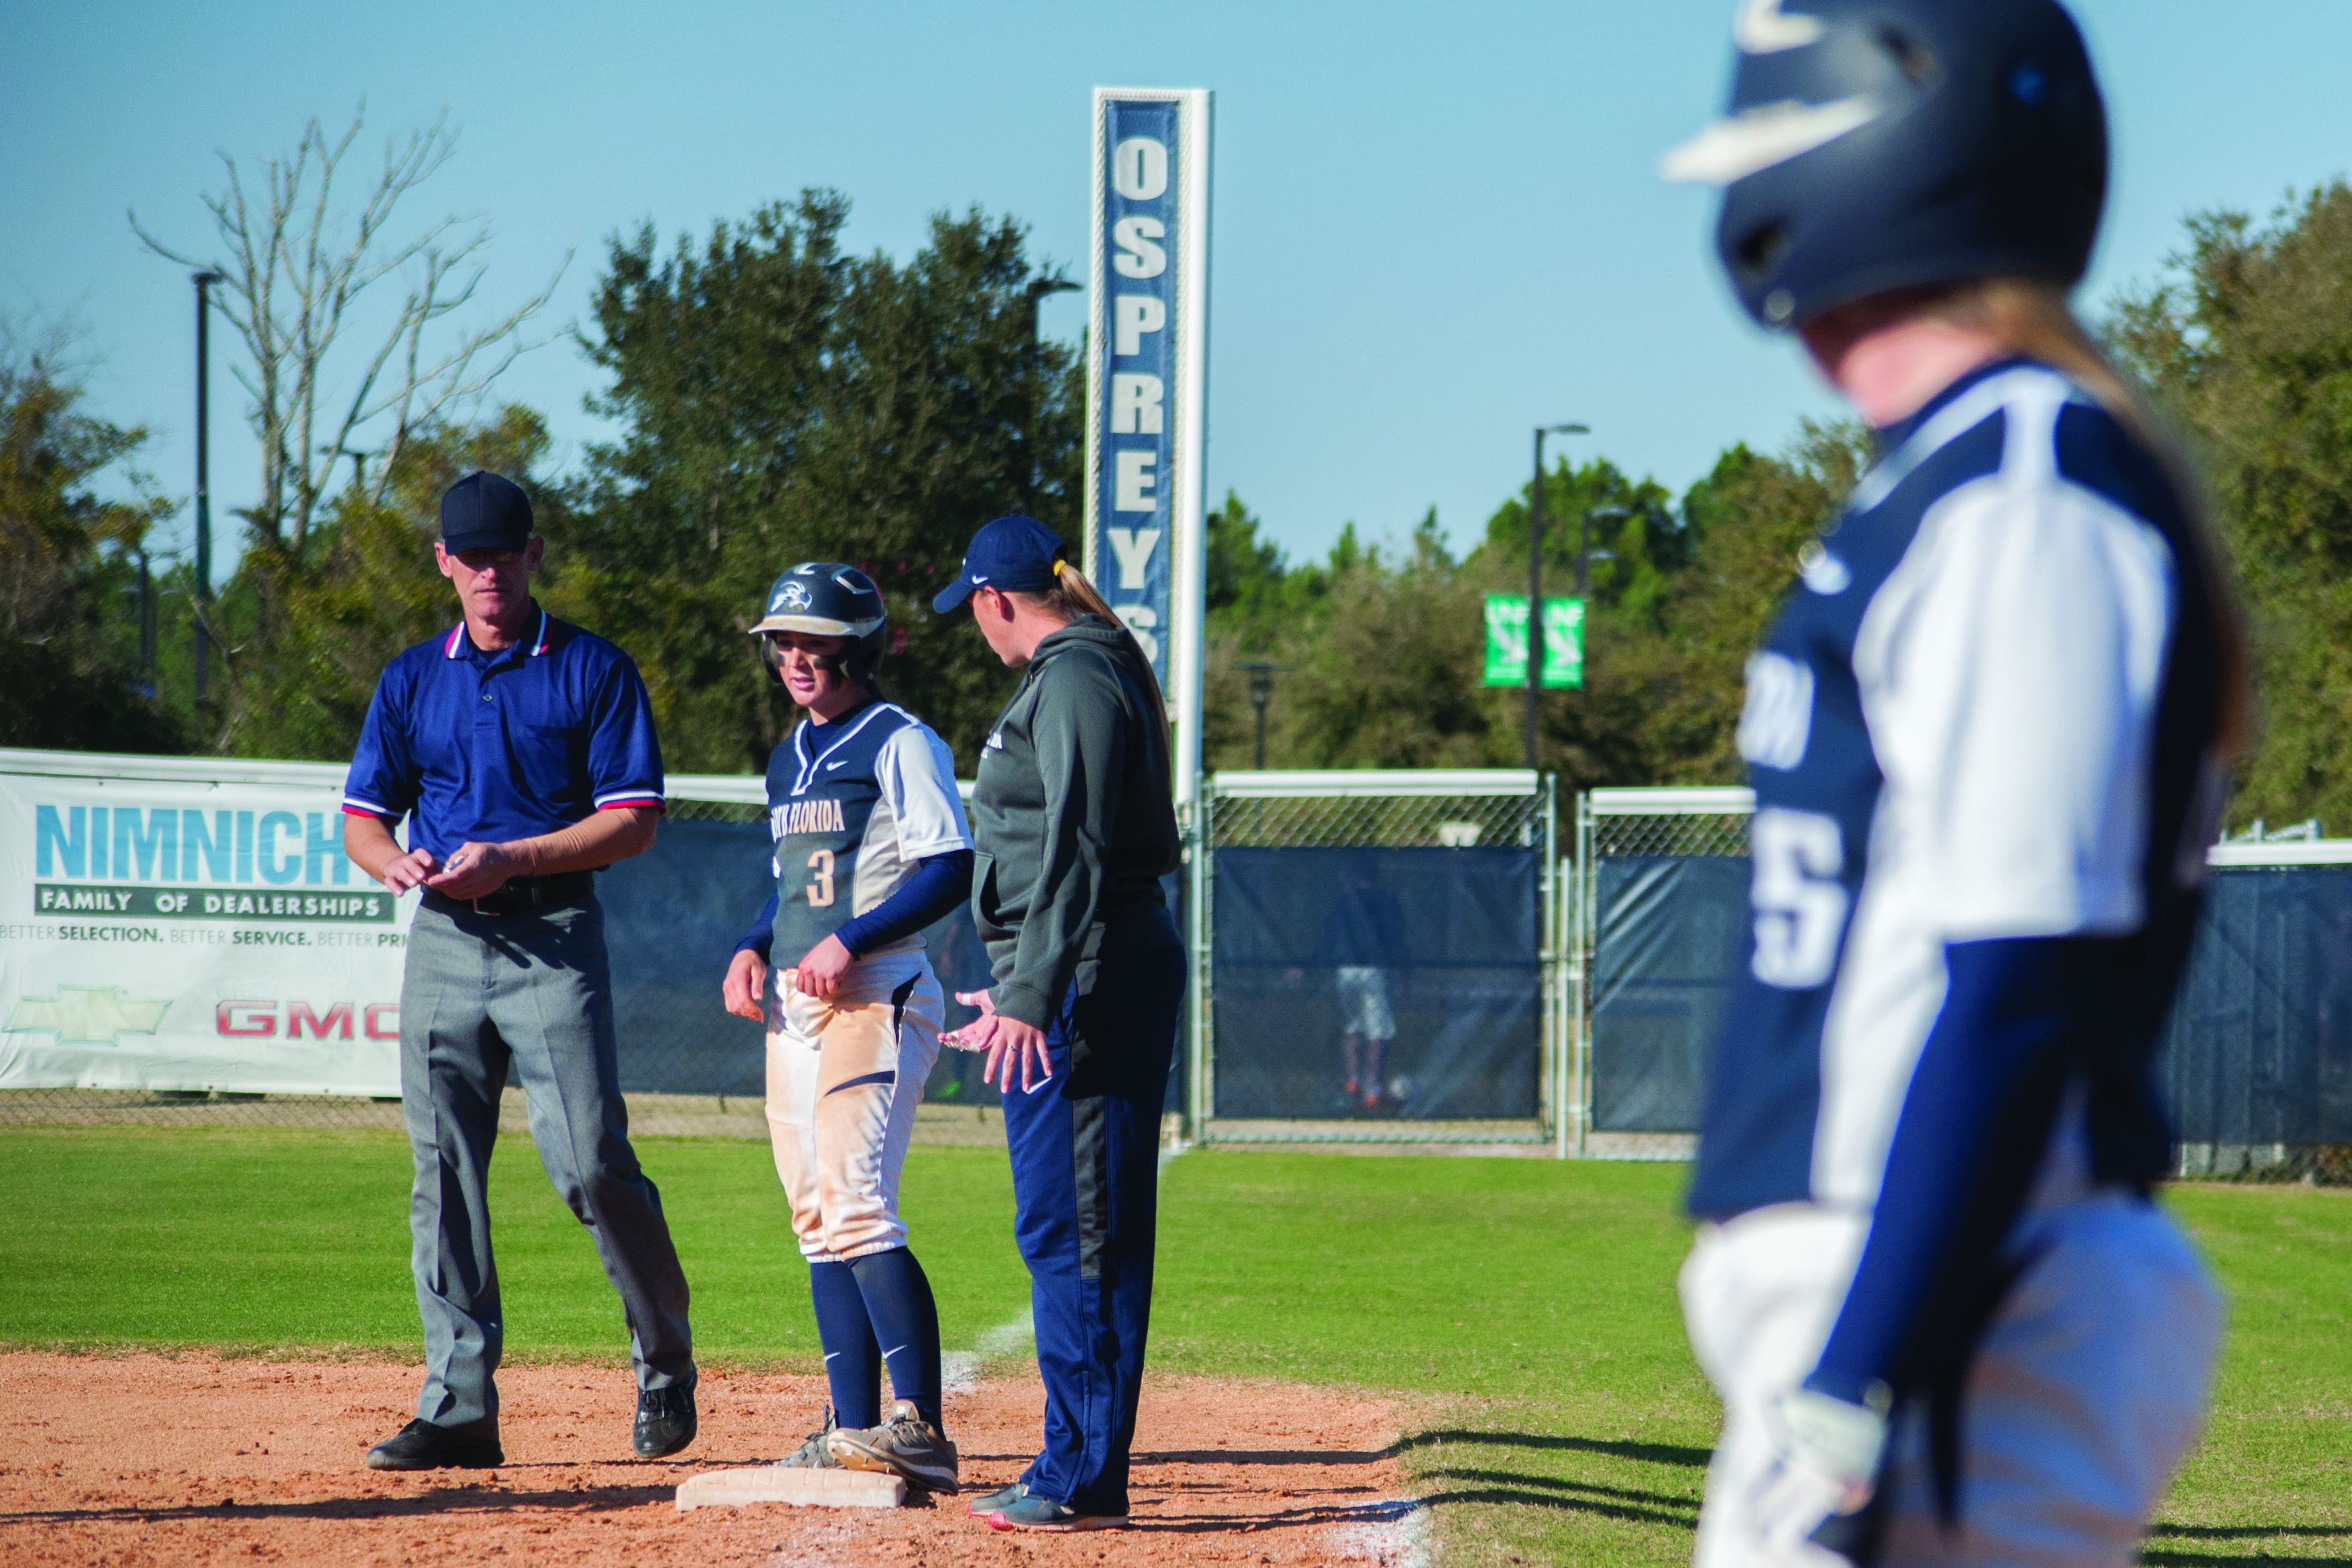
x: 665, y: 1421
x: 422, y: 1445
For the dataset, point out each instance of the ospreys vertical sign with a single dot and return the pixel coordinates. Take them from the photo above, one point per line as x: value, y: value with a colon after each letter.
x: 1147, y: 386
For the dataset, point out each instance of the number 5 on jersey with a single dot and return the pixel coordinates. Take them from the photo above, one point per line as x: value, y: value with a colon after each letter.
x: 1799, y: 903
x: 820, y: 892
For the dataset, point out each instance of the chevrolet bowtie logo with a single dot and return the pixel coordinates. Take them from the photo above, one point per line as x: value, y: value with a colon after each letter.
x: 87, y: 1015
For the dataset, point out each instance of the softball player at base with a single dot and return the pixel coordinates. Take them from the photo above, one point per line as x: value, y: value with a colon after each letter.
x: 1987, y: 735
x: 871, y: 846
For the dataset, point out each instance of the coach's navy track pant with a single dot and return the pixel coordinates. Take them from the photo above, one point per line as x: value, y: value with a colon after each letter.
x: 1086, y: 1148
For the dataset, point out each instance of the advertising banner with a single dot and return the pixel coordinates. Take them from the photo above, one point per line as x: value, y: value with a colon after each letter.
x: 1145, y: 400
x: 1506, y: 641
x: 179, y: 933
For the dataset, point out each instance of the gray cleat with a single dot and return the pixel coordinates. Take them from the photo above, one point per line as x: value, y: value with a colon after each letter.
x: 813, y: 1455
x: 905, y: 1445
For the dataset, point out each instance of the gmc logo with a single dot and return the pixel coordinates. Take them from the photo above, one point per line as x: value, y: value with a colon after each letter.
x: 258, y: 1020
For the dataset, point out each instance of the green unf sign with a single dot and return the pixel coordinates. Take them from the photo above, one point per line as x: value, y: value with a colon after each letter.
x: 1506, y: 641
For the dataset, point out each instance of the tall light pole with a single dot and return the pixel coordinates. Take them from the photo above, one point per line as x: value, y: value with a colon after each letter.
x: 1534, y: 576
x: 204, y: 563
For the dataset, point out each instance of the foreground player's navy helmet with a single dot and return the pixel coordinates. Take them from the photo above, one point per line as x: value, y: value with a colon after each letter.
x: 1882, y: 144
x: 829, y: 598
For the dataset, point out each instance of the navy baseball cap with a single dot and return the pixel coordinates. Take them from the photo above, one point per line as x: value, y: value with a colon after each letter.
x: 1014, y: 553
x: 484, y: 511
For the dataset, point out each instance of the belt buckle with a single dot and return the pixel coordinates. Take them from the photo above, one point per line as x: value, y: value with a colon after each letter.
x: 482, y: 906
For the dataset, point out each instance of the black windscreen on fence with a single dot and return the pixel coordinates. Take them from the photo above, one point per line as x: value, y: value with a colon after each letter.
x: 1668, y: 932
x: 2261, y: 1046
x: 1432, y: 952
x: 2259, y: 1049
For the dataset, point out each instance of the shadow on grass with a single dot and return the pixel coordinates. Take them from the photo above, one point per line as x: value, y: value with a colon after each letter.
x: 1515, y: 1490
x: 1265, y: 1457
x: 1647, y: 1453
x: 440, y: 1501
x: 2213, y: 1559
x: 2244, y: 1532
x: 1625, y: 1495
x: 2173, y: 1558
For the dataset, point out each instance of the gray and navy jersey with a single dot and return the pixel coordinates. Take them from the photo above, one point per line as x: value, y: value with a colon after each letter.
x: 852, y: 806
x: 1986, y: 716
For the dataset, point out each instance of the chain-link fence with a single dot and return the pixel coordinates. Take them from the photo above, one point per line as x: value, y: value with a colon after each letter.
x: 2256, y: 1062
x: 1382, y: 960
x: 1660, y: 886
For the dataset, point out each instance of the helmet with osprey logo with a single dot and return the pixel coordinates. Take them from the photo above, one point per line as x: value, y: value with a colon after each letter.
x: 1882, y: 144
x: 832, y: 599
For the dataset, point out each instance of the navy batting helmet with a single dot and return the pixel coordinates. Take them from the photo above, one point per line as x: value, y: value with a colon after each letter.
x: 829, y: 598
x: 1882, y: 144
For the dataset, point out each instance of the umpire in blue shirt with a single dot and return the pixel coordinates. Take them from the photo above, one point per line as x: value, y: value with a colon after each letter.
x: 521, y: 751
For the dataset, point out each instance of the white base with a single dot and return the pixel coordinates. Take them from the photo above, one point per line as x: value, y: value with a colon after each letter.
x: 802, y: 1488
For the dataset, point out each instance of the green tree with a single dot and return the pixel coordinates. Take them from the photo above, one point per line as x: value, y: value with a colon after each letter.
x: 364, y: 588
x: 2247, y: 343
x: 781, y: 401
x: 69, y: 570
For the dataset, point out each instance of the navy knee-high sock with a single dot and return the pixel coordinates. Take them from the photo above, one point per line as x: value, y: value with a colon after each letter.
x: 898, y: 1303
x: 853, y: 1359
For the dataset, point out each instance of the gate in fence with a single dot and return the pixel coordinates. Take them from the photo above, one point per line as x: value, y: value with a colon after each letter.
x: 1381, y: 955
x: 2257, y: 1059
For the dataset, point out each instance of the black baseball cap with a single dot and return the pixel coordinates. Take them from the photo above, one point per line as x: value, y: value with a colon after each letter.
x: 484, y: 511
x: 1014, y: 553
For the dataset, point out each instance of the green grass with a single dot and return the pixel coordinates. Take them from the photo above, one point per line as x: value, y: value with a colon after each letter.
x: 257, y: 1239
x: 1522, y: 1313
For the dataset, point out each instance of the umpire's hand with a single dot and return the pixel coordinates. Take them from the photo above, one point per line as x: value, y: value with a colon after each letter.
x: 475, y: 870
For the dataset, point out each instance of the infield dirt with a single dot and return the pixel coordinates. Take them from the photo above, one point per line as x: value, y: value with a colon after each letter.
x: 143, y: 1458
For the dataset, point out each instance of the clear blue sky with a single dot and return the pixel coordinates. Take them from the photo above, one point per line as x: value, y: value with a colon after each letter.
x: 1435, y: 226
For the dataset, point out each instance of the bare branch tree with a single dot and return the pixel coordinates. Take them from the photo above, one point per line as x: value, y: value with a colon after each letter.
x: 296, y: 263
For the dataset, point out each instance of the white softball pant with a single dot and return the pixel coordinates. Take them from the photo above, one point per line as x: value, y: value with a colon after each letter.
x: 843, y: 1079
x: 2088, y: 1389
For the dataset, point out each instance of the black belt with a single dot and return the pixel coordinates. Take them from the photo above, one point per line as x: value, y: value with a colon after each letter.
x: 518, y: 896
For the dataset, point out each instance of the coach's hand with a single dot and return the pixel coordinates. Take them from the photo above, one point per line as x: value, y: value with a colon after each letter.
x: 474, y: 870
x: 819, y: 974
x: 745, y: 985
x: 1006, y: 1041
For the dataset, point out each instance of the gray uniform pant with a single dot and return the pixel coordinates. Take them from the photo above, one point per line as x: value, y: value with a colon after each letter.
x: 479, y: 991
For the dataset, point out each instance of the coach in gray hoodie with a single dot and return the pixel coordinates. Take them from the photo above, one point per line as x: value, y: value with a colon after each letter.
x: 1074, y: 828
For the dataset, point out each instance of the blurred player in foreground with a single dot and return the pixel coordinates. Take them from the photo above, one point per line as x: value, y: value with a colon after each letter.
x: 1075, y: 829
x: 870, y: 848
x: 1987, y: 736
x: 521, y: 751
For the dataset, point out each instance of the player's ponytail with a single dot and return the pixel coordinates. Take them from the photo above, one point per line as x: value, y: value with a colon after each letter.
x: 2033, y: 320
x: 1070, y: 596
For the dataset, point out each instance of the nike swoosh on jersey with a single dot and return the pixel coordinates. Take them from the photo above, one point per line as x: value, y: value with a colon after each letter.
x: 1763, y: 29
x: 830, y: 766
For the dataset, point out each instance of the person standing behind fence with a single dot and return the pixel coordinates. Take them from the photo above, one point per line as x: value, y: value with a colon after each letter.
x: 1074, y: 827
x: 1363, y: 942
x: 1988, y: 735
x: 870, y: 849
x: 521, y: 751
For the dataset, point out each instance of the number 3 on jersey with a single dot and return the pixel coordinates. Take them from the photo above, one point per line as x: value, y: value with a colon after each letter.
x: 1799, y: 903
x: 820, y: 892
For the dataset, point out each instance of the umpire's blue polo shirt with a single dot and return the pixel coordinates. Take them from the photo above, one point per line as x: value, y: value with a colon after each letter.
x: 505, y: 745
